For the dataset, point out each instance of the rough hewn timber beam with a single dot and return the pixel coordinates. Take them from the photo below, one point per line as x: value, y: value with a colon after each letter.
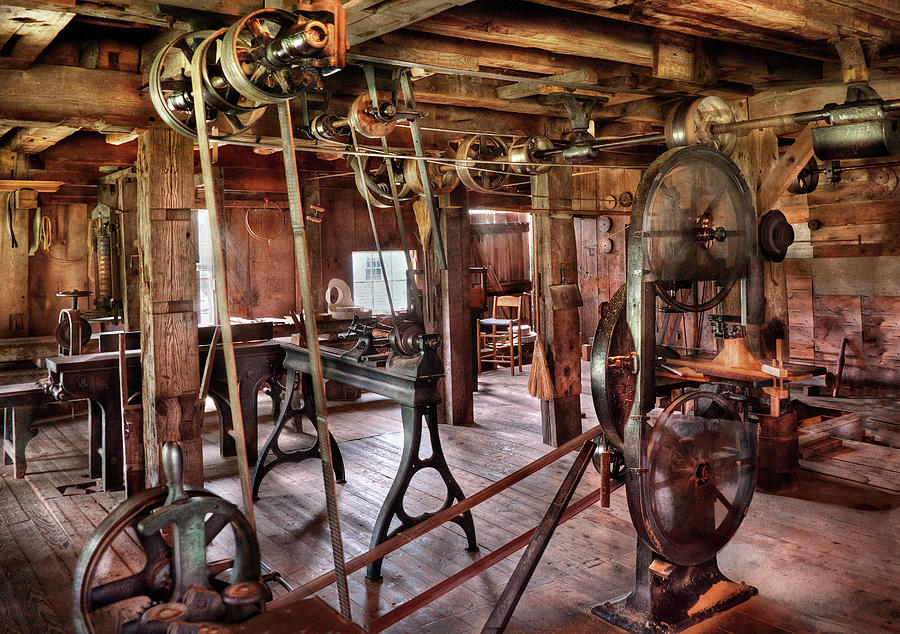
x: 578, y: 35
x: 798, y: 27
x: 102, y: 100
x: 364, y: 23
x: 36, y: 140
x: 25, y: 33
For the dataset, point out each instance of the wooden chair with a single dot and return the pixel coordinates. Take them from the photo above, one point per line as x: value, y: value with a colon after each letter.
x: 503, y: 338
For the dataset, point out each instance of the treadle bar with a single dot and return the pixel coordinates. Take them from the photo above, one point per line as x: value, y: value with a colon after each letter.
x: 406, y: 87
x: 398, y: 541
x: 301, y: 257
x: 410, y: 464
x: 509, y: 599
x: 286, y: 414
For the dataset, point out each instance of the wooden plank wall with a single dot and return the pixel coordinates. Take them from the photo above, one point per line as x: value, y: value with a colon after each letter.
x: 501, y: 239
x: 844, y: 277
x: 62, y: 267
x: 261, y: 273
x: 600, y: 274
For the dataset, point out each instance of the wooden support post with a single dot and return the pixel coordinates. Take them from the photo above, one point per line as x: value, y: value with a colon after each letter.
x: 13, y: 269
x: 171, y: 372
x: 455, y: 321
x: 555, y: 257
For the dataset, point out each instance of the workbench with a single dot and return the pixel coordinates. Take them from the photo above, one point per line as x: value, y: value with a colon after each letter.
x: 17, y: 404
x: 96, y: 377
x: 415, y: 388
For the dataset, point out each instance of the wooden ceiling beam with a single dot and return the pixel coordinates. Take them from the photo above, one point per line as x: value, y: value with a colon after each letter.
x: 799, y: 27
x: 573, y: 35
x: 558, y: 32
x: 365, y: 20
x: 102, y: 100
x: 25, y: 33
x: 470, y: 56
x: 36, y: 140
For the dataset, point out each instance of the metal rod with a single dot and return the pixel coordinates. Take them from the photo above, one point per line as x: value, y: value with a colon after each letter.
x: 301, y: 257
x: 509, y: 599
x: 212, y: 210
x: 406, y: 86
x: 417, y: 530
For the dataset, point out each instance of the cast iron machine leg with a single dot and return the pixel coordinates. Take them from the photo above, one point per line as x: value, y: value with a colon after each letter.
x: 410, y: 464
x: 287, y: 413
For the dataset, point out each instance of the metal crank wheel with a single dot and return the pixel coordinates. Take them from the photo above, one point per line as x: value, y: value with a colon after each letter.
x: 616, y: 463
x: 265, y: 53
x: 372, y: 176
x: 698, y: 223
x: 613, y: 370
x: 172, y: 528
x: 372, y: 121
x: 696, y: 478
x: 442, y: 177
x: 227, y: 114
x: 477, y: 165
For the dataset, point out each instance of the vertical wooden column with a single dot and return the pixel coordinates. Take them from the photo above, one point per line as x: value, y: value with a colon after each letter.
x: 456, y: 321
x: 13, y: 270
x: 167, y: 230
x: 555, y: 257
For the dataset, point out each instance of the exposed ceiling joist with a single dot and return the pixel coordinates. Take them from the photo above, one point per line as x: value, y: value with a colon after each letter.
x: 36, y: 140
x: 800, y: 27
x: 578, y: 36
x: 366, y: 20
x: 518, y: 64
x: 103, y: 100
x: 25, y: 33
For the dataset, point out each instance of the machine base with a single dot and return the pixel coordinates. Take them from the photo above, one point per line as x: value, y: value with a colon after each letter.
x: 670, y: 598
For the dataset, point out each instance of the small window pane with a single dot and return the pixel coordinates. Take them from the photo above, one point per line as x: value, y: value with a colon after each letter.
x: 368, y: 280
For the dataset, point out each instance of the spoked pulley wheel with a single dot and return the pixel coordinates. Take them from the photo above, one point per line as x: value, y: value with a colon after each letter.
x: 696, y: 479
x: 477, y: 166
x: 698, y: 222
x: 265, y: 52
x: 613, y: 373
x: 227, y: 114
x: 155, y: 526
x: 441, y: 176
x: 373, y: 176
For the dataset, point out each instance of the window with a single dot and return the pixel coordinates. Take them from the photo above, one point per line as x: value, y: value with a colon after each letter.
x: 206, y: 280
x: 368, y: 280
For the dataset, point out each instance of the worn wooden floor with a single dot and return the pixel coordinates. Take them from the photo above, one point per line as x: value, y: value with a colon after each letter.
x: 824, y: 557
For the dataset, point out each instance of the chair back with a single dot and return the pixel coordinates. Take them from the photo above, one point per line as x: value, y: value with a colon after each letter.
x: 512, y: 303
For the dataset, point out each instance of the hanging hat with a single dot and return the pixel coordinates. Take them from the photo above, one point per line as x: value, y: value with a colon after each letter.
x: 775, y: 235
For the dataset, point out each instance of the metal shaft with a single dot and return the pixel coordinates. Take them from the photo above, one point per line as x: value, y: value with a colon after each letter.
x: 301, y: 256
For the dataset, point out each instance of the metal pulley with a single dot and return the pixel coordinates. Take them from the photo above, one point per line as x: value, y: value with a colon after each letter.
x: 442, y: 177
x: 373, y: 179
x: 692, y: 121
x: 695, y: 480
x: 697, y: 224
x: 613, y: 383
x: 227, y: 112
x: 857, y: 130
x: 485, y: 162
x: 272, y: 55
